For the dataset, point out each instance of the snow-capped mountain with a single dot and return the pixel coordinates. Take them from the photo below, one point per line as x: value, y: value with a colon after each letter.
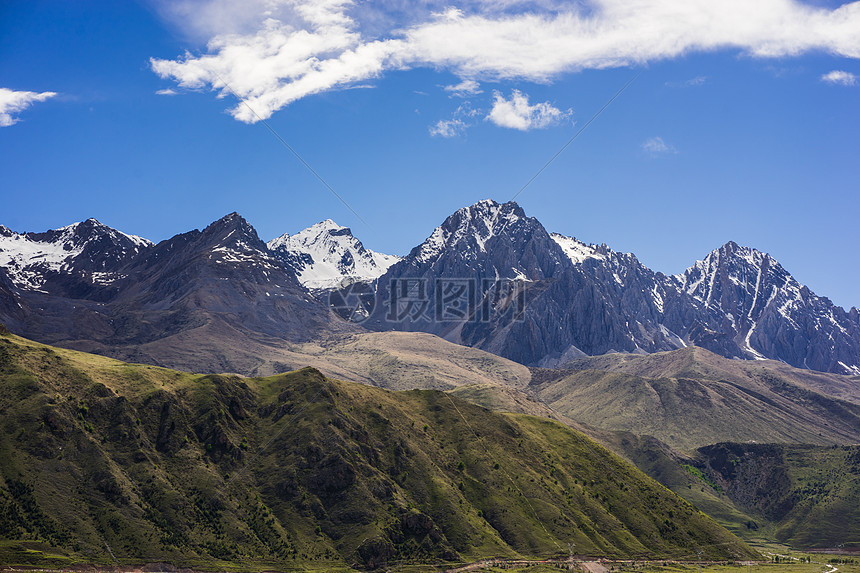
x: 79, y: 256
x: 326, y: 256
x: 580, y: 299
x: 93, y: 287
x: 771, y: 315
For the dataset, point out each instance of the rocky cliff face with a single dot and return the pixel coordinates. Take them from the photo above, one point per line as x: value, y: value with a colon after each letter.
x: 530, y: 296
x: 545, y: 299
x: 768, y: 314
x: 470, y: 281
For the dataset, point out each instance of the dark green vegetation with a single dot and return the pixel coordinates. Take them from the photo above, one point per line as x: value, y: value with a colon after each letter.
x: 691, y: 398
x: 805, y: 496
x: 104, y: 461
x: 810, y: 495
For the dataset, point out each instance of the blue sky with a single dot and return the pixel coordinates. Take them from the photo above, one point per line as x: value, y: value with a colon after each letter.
x: 743, y: 122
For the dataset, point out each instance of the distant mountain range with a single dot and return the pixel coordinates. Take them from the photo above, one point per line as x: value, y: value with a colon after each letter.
x: 489, y: 277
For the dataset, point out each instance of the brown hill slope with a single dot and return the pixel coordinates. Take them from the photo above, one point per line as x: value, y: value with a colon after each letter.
x: 690, y: 398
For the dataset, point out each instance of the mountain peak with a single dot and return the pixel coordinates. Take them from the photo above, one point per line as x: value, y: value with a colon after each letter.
x: 739, y: 265
x: 729, y: 255
x: 233, y: 229
x: 490, y: 207
x: 469, y: 228
x: 233, y: 218
x: 749, y: 254
x: 228, y: 225
x: 328, y: 226
x: 768, y: 313
x: 91, y: 225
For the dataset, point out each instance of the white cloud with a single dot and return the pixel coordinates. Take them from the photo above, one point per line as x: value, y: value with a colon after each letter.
x: 167, y: 92
x: 273, y: 52
x: 840, y: 77
x: 516, y: 113
x: 12, y: 102
x: 281, y: 63
x: 465, y: 88
x: 656, y: 146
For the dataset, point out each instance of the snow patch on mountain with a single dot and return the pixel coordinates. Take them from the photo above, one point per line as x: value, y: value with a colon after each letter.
x: 326, y: 254
x: 756, y: 278
x: 576, y: 250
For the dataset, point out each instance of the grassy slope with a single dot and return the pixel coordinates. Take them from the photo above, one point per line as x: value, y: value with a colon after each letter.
x: 807, y: 496
x: 297, y: 470
x: 650, y: 455
x: 690, y: 398
x: 698, y: 362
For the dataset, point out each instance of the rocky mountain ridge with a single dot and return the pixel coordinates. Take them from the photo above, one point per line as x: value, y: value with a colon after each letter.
x: 489, y: 277
x: 223, y: 275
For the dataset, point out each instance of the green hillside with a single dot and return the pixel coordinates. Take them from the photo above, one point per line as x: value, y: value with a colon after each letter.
x: 104, y: 462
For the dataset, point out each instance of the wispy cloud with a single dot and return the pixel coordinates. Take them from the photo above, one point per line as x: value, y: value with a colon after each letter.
x: 448, y: 128
x: 167, y: 92
x: 273, y: 52
x: 656, y: 146
x: 14, y: 102
x: 840, y: 77
x: 516, y: 113
x: 466, y: 88
x: 461, y: 120
x: 691, y: 83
